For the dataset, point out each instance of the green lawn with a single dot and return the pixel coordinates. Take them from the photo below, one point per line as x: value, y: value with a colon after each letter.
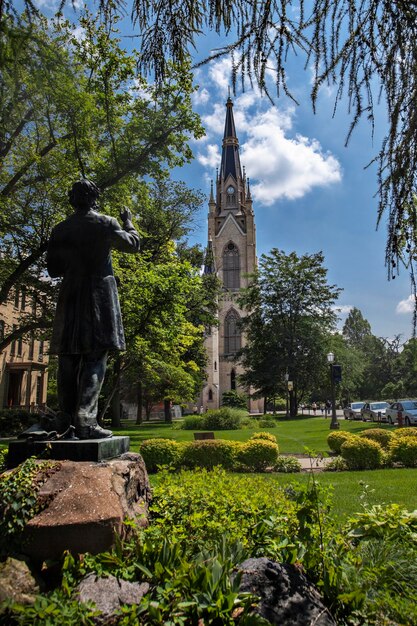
x: 293, y: 435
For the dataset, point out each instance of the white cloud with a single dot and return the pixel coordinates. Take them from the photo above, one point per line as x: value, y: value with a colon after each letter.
x: 201, y: 96
x: 284, y: 167
x: 212, y: 157
x: 406, y: 306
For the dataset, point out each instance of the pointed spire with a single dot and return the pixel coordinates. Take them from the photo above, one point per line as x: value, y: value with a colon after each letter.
x: 209, y: 264
x: 248, y: 194
x: 230, y: 163
x: 212, y: 200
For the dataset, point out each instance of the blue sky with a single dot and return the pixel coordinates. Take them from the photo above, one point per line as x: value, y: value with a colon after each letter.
x: 310, y: 192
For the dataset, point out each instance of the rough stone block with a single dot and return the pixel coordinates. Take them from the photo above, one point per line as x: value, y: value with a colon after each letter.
x: 87, y: 504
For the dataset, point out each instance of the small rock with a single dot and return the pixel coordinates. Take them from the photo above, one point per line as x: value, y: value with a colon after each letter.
x: 108, y: 594
x: 16, y: 582
x: 287, y: 598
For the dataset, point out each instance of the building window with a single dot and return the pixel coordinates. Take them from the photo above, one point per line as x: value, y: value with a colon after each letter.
x: 1, y: 330
x: 210, y: 396
x: 231, y: 269
x: 232, y: 335
x: 233, y: 380
x: 23, y: 299
x: 31, y: 347
x: 13, y: 343
x: 20, y: 346
x: 16, y: 297
x: 39, y: 390
x: 215, y: 366
x: 41, y: 346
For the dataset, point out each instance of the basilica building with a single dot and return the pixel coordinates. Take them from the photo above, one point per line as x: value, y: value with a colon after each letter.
x: 231, y: 254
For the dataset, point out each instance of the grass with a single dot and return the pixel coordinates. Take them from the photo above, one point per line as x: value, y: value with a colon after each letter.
x: 293, y: 436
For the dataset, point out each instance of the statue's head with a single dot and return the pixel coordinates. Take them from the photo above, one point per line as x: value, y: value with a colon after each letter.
x: 83, y: 195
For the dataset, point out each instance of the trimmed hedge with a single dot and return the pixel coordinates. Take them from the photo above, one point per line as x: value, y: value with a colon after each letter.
x: 406, y: 431
x: 157, y: 452
x: 337, y: 438
x: 210, y: 453
x: 361, y: 453
x: 257, y: 455
x: 14, y: 421
x: 381, y: 436
x: 265, y: 436
x: 404, y: 450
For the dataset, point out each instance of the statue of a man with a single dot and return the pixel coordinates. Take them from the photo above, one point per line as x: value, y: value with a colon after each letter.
x: 88, y: 321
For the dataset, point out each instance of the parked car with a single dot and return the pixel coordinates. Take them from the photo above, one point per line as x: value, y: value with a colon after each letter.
x: 353, y: 411
x: 403, y: 412
x: 374, y: 411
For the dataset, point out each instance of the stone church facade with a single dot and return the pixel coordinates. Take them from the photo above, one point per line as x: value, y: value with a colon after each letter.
x: 231, y: 254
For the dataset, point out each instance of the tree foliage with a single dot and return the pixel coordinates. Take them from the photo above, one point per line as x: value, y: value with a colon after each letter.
x: 289, y: 305
x: 366, y: 48
x: 71, y: 108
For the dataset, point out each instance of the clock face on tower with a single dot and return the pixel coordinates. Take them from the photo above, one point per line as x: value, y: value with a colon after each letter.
x: 230, y: 190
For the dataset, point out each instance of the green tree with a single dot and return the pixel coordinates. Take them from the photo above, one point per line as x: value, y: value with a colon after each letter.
x: 71, y: 108
x: 356, y: 328
x: 365, y: 48
x: 289, y: 316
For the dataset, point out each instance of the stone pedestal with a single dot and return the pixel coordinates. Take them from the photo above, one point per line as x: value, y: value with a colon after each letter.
x: 71, y: 450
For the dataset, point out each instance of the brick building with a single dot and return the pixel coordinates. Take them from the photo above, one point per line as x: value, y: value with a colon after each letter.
x: 24, y: 362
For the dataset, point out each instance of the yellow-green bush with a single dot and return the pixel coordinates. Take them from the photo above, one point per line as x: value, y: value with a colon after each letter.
x: 338, y: 437
x: 381, y: 436
x: 361, y: 453
x: 257, y: 455
x: 265, y: 435
x: 404, y: 432
x: 160, y: 452
x: 210, y: 453
x: 404, y: 450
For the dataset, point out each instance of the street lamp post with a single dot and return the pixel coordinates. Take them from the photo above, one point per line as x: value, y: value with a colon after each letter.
x: 334, y: 424
x: 287, y: 377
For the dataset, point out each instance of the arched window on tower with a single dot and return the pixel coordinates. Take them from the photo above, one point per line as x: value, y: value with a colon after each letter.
x: 210, y: 396
x: 233, y: 380
x: 231, y: 269
x: 232, y: 335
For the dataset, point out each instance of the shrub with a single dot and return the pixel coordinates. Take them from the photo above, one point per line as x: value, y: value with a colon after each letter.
x: 258, y: 455
x: 267, y: 422
x: 14, y: 421
x: 404, y: 450
x: 336, y: 465
x: 235, y: 400
x: 361, y: 453
x: 193, y: 422
x: 336, y: 438
x: 224, y: 418
x: 160, y: 452
x: 265, y: 436
x: 404, y: 432
x: 381, y: 436
x: 287, y: 465
x: 210, y: 453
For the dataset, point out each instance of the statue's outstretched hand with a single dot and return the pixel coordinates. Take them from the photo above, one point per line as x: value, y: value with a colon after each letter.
x: 125, y: 215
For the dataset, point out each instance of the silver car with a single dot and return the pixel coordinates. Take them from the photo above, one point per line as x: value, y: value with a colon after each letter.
x: 353, y: 411
x: 374, y: 411
x: 403, y: 413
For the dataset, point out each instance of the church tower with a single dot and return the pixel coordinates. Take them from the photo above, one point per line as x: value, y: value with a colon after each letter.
x: 231, y: 254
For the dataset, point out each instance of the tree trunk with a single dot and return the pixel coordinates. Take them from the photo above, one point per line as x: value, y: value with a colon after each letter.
x: 139, y: 399
x: 115, y: 410
x: 265, y: 405
x: 293, y: 404
x: 167, y: 411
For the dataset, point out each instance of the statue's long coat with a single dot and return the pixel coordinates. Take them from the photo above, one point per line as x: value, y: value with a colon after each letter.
x: 88, y: 317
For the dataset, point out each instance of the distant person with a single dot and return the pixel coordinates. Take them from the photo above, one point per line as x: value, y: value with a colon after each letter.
x: 314, y: 407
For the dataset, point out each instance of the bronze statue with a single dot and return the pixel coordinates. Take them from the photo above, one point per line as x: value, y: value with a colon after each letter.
x: 88, y: 320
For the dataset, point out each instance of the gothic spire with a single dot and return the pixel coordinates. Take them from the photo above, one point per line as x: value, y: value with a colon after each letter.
x: 230, y: 163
